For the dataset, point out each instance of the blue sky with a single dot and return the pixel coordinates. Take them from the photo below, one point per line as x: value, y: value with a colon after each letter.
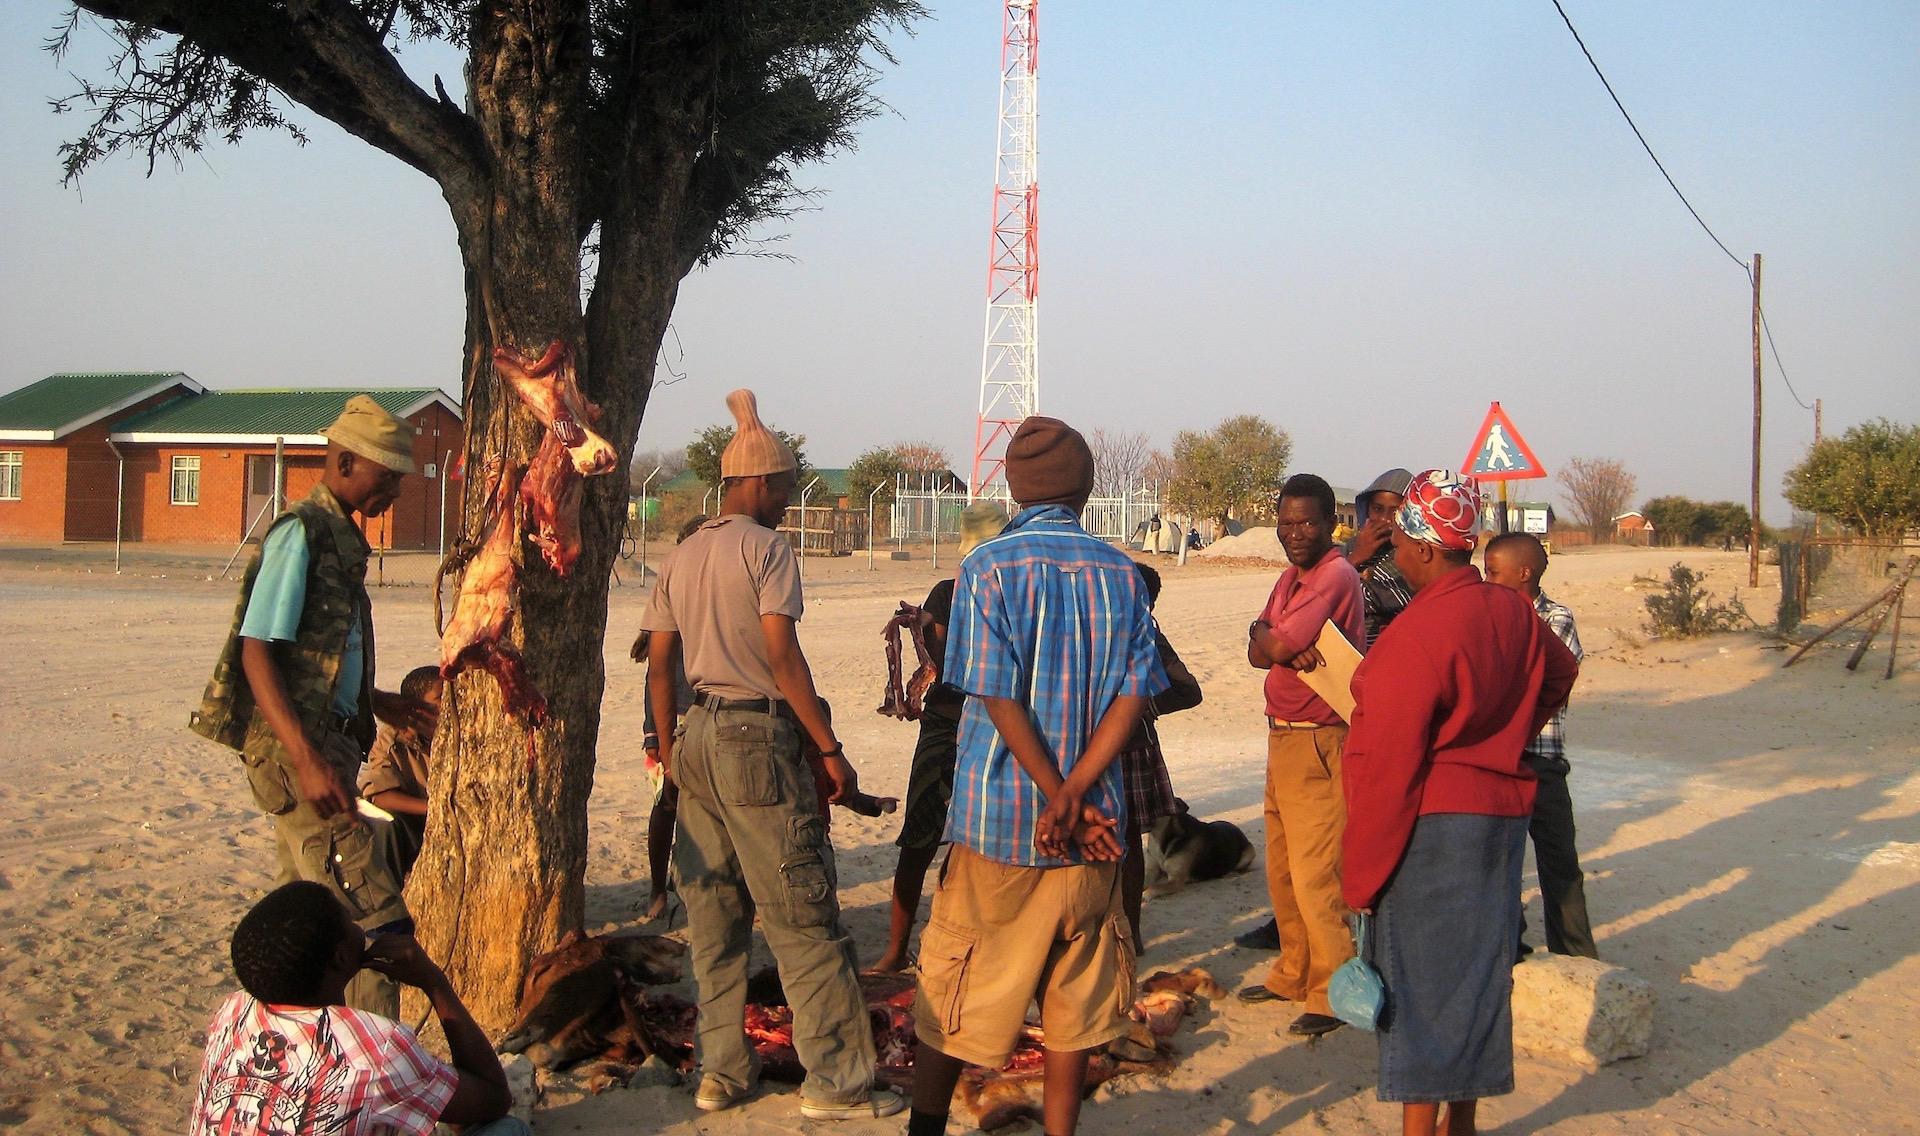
x: 1364, y: 221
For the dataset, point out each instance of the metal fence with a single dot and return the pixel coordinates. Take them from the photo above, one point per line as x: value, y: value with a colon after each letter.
x: 930, y: 510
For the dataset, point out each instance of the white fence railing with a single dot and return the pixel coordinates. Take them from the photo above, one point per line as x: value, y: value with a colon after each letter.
x: 925, y: 510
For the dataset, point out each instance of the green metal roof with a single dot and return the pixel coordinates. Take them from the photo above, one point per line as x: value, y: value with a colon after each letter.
x: 265, y: 412
x: 61, y: 401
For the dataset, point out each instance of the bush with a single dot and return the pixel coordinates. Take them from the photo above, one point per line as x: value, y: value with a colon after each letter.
x: 1684, y: 609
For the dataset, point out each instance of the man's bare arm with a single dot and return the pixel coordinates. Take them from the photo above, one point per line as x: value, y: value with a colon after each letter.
x: 315, y: 781
x: 663, y: 654
x: 795, y: 680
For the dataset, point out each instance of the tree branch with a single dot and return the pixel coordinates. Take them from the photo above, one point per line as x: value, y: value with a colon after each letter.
x: 322, y: 54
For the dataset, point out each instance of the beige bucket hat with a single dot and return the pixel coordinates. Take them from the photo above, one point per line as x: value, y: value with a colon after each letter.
x: 367, y: 429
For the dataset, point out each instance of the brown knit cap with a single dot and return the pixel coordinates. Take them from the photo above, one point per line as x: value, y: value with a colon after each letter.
x: 754, y: 450
x: 1049, y: 463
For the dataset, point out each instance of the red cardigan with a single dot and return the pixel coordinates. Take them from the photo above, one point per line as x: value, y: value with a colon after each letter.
x: 1446, y: 701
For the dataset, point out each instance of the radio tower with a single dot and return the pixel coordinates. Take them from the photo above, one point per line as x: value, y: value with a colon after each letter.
x: 1010, y: 363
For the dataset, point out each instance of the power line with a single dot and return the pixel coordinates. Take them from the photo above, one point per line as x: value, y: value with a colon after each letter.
x: 1704, y: 227
x: 1643, y: 142
x: 1777, y: 364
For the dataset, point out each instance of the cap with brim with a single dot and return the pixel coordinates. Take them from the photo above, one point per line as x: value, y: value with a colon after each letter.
x: 367, y: 429
x: 982, y: 520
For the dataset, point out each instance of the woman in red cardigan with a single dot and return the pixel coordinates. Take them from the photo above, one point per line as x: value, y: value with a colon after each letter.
x: 1437, y: 807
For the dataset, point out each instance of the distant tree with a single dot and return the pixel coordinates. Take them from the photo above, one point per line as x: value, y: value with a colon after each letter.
x: 1597, y: 491
x: 1722, y: 521
x: 1118, y: 460
x: 1232, y: 470
x: 921, y: 457
x: 878, y: 468
x: 1867, y: 479
x: 1156, y: 472
x: 1674, y: 518
x: 656, y: 135
x: 703, y: 453
x: 1682, y: 520
x: 670, y: 462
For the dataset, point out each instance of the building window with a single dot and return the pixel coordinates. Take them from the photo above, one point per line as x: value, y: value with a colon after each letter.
x: 10, y: 462
x: 186, y: 480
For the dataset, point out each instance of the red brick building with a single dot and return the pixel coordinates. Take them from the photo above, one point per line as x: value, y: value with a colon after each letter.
x: 157, y: 457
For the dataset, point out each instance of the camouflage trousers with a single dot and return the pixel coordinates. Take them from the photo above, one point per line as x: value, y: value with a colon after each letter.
x: 354, y: 856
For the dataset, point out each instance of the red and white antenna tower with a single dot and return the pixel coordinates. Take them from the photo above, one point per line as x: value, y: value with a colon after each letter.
x: 1010, y: 363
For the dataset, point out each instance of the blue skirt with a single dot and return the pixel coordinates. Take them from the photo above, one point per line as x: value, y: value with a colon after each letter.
x: 1443, y: 943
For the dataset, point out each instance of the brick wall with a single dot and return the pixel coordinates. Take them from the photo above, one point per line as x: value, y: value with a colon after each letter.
x: 40, y: 514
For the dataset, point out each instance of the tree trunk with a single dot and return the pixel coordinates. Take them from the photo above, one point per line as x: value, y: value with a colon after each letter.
x: 501, y: 876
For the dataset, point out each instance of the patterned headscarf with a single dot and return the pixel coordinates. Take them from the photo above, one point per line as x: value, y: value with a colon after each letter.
x: 1442, y: 508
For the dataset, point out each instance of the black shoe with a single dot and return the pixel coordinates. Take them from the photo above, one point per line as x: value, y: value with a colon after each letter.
x: 1314, y: 1025
x: 1265, y: 937
x: 1255, y: 995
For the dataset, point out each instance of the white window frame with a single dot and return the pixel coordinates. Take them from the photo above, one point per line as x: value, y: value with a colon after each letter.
x: 185, y: 464
x: 12, y: 469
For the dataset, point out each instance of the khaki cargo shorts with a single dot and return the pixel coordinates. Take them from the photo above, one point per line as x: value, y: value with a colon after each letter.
x: 1002, y: 937
x: 354, y: 856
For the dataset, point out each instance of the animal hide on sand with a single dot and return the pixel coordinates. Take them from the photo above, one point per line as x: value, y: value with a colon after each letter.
x: 587, y: 1001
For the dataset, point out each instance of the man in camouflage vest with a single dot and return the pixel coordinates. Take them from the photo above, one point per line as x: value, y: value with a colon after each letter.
x: 293, y: 689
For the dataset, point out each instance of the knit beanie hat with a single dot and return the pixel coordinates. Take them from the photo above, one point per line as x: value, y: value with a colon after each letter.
x: 754, y: 450
x: 367, y: 429
x: 982, y: 520
x: 1049, y: 463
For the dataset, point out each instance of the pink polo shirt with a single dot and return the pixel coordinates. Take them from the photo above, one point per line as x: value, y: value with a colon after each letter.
x: 1300, y: 605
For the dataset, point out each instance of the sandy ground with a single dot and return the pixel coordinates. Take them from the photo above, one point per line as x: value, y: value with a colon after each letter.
x: 1749, y: 832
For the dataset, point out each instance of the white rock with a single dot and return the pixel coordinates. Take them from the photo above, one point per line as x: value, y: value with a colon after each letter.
x: 520, y: 1082
x: 1582, y: 1010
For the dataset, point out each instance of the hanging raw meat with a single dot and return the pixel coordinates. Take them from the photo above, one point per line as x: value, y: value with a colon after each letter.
x: 550, y: 387
x: 475, y: 638
x: 906, y: 695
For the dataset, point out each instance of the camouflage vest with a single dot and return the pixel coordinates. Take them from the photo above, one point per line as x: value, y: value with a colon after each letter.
x: 310, y: 664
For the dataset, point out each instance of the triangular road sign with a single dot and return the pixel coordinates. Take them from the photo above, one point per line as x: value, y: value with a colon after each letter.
x: 1499, y: 452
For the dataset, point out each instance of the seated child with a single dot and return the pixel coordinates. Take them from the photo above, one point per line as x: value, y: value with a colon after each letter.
x: 285, y: 1055
x: 395, y: 777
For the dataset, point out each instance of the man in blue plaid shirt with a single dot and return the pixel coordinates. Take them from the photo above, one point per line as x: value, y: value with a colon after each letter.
x: 1052, y: 641
x: 1518, y: 561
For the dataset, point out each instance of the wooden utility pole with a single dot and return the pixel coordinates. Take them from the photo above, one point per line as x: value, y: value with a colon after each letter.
x: 1753, y: 540
x: 1816, y: 442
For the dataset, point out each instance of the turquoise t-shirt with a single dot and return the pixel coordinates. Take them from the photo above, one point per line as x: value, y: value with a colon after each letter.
x: 280, y: 596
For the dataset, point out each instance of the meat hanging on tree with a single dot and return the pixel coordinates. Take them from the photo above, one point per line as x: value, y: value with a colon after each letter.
x: 548, y: 493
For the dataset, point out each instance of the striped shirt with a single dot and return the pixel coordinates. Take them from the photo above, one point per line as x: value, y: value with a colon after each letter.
x: 283, y: 1070
x: 1548, y: 752
x: 1051, y: 617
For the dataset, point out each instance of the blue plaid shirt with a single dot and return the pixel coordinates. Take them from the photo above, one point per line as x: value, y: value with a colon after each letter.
x: 1054, y: 618
x: 1548, y: 752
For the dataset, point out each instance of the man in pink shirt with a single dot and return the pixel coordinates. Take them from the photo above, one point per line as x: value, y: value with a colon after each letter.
x: 1305, y: 812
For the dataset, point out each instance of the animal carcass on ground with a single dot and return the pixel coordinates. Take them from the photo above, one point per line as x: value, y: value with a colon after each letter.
x: 587, y: 1000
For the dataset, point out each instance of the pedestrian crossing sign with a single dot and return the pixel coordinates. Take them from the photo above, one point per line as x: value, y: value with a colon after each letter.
x: 1499, y: 452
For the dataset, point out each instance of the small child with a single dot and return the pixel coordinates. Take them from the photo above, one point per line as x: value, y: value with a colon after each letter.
x: 1143, y: 765
x: 1519, y: 561
x: 395, y: 777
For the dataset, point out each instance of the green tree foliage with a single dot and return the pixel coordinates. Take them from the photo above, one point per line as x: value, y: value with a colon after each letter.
x: 1232, y: 470
x: 1682, y: 520
x: 1867, y: 479
x: 876, y: 469
x: 703, y: 453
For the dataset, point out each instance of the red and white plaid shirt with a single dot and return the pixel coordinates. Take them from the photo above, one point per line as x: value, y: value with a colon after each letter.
x: 291, y: 1071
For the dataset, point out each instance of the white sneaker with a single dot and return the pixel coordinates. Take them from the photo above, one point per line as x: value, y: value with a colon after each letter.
x: 715, y: 1094
x: 881, y: 1102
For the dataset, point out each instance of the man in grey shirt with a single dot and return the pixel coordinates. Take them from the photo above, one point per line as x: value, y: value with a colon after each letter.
x: 752, y: 839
